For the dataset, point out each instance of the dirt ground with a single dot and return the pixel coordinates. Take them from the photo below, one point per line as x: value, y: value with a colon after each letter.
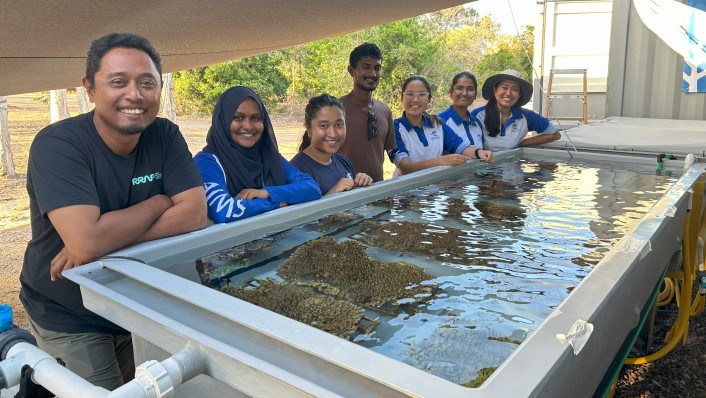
x: 678, y: 374
x: 26, y: 117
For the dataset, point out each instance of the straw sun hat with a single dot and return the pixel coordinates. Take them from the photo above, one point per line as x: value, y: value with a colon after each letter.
x: 508, y: 74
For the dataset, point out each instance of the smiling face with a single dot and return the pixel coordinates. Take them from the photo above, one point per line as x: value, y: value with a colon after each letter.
x: 126, y: 92
x: 327, y: 130
x: 415, y: 98
x: 247, y: 125
x: 367, y: 73
x: 463, y: 93
x: 507, y: 93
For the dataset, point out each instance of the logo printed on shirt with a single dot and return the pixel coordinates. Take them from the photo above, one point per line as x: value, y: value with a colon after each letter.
x: 146, y: 178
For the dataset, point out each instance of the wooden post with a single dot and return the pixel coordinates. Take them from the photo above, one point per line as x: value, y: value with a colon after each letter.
x: 82, y: 100
x: 8, y: 165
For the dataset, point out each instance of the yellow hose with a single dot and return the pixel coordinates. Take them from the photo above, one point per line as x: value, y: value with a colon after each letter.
x: 683, y: 295
x: 667, y: 294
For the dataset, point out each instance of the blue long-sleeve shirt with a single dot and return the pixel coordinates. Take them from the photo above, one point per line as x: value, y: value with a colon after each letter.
x: 222, y: 207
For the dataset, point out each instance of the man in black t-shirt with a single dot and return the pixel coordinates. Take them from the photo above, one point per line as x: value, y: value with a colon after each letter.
x: 98, y: 182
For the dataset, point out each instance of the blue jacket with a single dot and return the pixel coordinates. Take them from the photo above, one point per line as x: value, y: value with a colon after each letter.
x: 222, y: 207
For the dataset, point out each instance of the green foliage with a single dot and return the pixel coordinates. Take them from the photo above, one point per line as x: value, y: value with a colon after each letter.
x: 511, y: 53
x: 436, y: 46
x: 408, y: 49
x: 198, y: 89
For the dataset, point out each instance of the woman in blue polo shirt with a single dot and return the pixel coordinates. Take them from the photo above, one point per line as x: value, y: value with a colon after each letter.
x: 422, y: 139
x: 242, y: 170
x: 504, y: 122
x: 462, y: 93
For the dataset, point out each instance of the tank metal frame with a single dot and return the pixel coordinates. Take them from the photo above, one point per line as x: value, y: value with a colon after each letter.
x: 255, y: 352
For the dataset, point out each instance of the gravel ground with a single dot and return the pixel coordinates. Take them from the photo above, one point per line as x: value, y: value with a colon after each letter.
x: 677, y: 374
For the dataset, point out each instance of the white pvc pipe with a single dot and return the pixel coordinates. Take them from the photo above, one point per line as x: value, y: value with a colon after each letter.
x: 50, y: 374
x: 152, y: 379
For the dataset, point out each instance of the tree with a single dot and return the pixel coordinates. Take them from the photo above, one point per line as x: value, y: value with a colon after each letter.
x: 512, y: 53
x: 436, y: 46
x: 407, y: 49
x: 198, y: 89
x: 168, y: 108
x: 58, y: 105
x: 8, y: 165
x: 82, y: 101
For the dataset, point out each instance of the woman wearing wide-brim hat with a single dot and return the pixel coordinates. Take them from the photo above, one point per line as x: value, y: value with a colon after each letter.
x: 504, y: 122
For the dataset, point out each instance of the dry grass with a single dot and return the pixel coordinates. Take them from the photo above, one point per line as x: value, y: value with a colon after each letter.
x: 27, y: 116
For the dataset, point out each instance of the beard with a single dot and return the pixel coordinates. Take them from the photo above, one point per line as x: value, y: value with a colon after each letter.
x: 131, y: 129
x: 366, y: 88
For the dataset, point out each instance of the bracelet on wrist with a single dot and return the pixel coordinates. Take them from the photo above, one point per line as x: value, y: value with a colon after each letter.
x: 476, y: 153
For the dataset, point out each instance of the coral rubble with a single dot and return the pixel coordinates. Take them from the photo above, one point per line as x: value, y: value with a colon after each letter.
x: 304, y: 304
x: 352, y: 274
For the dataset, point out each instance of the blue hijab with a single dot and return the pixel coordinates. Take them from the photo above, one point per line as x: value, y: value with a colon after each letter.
x: 254, y: 167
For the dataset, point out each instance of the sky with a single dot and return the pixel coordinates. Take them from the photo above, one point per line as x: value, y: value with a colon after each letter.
x: 526, y: 12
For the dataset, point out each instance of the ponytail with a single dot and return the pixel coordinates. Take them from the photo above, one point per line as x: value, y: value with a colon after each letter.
x: 306, y: 141
x: 492, y: 117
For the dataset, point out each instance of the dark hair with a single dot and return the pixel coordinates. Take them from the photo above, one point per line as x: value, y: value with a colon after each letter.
x: 419, y: 78
x: 459, y: 76
x: 102, y: 45
x: 312, y: 108
x: 492, y: 114
x: 364, y: 50
x: 432, y: 117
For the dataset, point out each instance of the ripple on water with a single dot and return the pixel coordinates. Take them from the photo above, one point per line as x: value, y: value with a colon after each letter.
x: 502, y: 248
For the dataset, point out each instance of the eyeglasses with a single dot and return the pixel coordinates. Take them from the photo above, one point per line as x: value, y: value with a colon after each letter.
x: 412, y: 94
x: 467, y: 90
x: 372, y: 130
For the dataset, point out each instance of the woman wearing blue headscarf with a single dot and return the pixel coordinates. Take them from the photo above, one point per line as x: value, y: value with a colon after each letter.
x: 242, y: 169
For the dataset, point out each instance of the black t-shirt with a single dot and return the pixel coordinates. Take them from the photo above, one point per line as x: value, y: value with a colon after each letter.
x: 69, y: 164
x: 325, y: 175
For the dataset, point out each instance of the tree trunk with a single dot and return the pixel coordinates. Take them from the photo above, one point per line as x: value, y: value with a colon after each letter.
x: 53, y: 108
x: 8, y: 166
x: 82, y: 100
x: 169, y: 111
x: 58, y: 105
x: 63, y: 104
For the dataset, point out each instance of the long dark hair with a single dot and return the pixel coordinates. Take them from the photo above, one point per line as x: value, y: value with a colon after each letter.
x: 459, y: 75
x: 492, y: 114
x: 492, y: 117
x: 312, y: 108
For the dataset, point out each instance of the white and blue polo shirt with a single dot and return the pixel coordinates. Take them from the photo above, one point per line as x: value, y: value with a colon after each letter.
x: 423, y: 143
x: 521, y: 122
x: 469, y: 132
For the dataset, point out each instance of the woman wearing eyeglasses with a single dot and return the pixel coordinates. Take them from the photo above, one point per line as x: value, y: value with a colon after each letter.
x: 325, y: 122
x: 242, y: 170
x: 504, y: 122
x: 422, y: 139
x: 462, y: 93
